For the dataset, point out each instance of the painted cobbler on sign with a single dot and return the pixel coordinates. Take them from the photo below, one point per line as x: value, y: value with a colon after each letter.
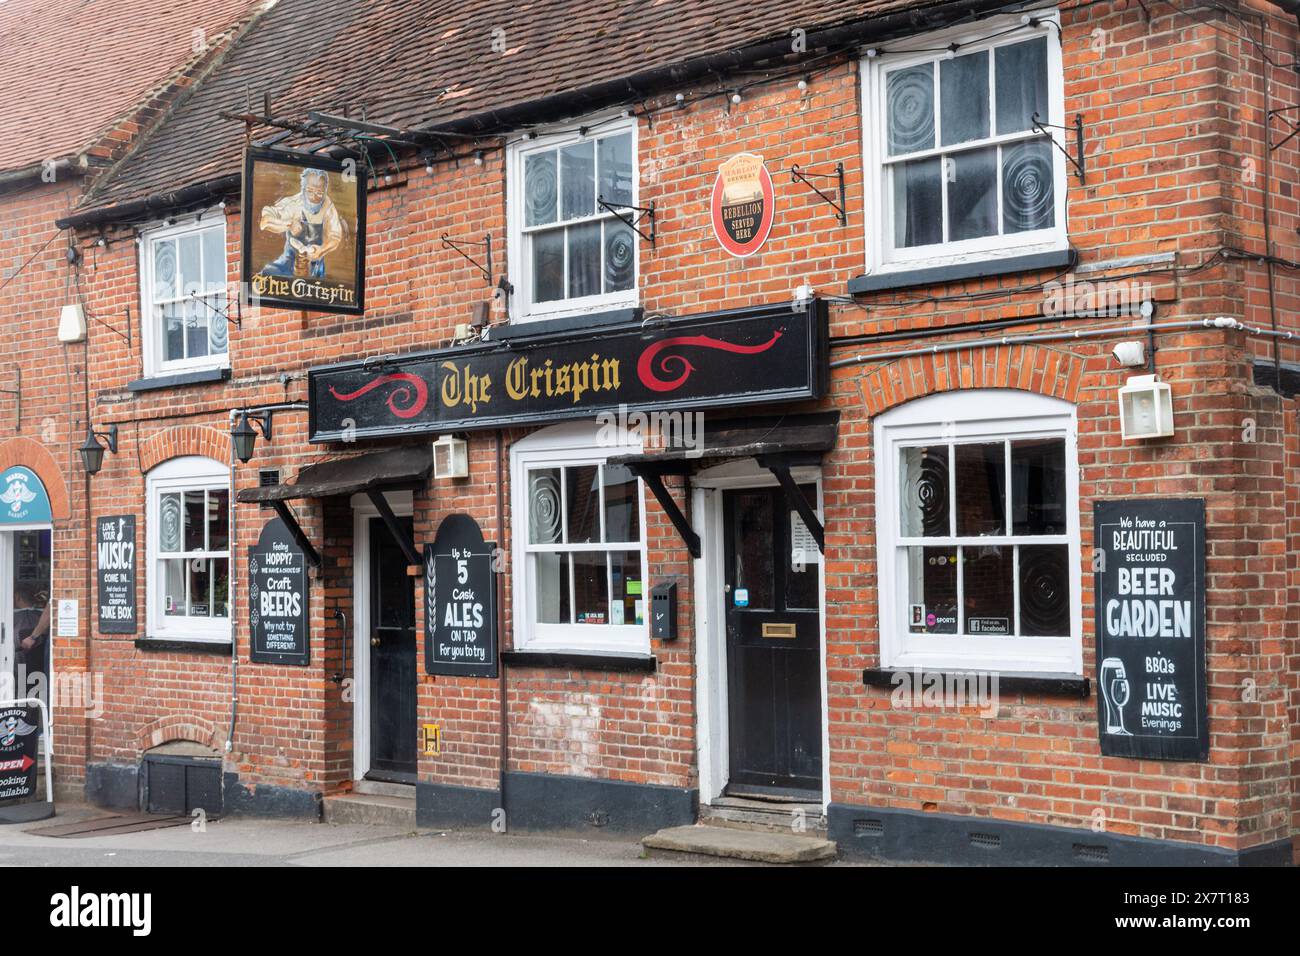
x: 304, y: 232
x: 743, y: 204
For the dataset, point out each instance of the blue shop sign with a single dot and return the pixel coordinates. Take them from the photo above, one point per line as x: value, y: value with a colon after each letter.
x: 22, y: 497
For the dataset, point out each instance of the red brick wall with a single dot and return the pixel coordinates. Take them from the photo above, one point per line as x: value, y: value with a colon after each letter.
x: 1168, y: 111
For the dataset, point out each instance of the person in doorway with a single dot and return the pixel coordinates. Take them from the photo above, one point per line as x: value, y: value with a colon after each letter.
x: 32, y: 637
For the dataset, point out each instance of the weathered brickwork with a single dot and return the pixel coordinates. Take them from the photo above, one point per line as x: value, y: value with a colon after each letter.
x: 1174, y: 118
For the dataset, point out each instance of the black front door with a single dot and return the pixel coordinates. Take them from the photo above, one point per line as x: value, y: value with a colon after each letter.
x: 773, y: 656
x: 392, y: 657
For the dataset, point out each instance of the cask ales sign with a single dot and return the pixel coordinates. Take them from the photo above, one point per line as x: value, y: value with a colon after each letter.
x: 460, y: 601
x: 749, y: 356
x: 278, y: 608
x: 1150, y: 600
x: 115, y: 569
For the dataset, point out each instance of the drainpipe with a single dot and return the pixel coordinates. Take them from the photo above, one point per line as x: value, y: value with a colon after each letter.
x: 501, y: 627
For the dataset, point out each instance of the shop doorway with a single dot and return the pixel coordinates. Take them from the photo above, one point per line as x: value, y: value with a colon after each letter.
x: 771, y: 582
x: 384, y: 660
x: 26, y: 614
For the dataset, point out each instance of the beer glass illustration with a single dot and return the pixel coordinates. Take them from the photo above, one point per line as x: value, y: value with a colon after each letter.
x: 1115, y: 694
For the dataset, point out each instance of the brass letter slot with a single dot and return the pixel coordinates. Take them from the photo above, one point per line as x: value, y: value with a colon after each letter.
x: 779, y: 630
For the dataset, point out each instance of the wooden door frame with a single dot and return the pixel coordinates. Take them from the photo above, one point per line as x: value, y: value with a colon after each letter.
x: 362, y: 511
x: 712, y: 732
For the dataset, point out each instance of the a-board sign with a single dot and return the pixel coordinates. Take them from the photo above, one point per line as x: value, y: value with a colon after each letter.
x: 1150, y: 600
x: 278, y: 606
x: 20, y: 726
x: 460, y: 601
x: 115, y: 571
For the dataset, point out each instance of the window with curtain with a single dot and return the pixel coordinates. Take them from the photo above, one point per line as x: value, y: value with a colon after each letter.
x: 571, y: 252
x: 183, y: 282
x: 961, y: 169
x: 188, y: 578
x: 579, y: 545
x: 979, y: 533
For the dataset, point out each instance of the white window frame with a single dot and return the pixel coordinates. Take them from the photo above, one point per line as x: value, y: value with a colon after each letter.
x: 965, y: 416
x: 151, y: 331
x: 881, y: 256
x: 188, y: 473
x: 568, y: 444
x: 517, y: 252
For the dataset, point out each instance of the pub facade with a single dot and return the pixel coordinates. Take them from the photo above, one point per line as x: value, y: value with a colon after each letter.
x: 879, y: 428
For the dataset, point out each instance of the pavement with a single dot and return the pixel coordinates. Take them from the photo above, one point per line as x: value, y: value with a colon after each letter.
x: 246, y: 842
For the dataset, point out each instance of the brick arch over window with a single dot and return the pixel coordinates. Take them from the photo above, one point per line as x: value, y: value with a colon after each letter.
x: 32, y: 454
x: 179, y: 727
x: 1031, y: 368
x: 182, y: 440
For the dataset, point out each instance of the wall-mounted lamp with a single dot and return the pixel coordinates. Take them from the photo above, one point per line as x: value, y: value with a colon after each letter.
x: 244, y: 436
x: 1146, y: 408
x: 92, y: 452
x: 450, y: 457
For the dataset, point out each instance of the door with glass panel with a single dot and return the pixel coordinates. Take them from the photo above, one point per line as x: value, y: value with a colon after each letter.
x: 773, y: 645
x: 26, y: 616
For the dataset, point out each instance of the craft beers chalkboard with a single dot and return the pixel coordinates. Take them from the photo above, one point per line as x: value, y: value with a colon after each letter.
x: 460, y: 601
x: 20, y: 725
x: 1150, y: 599
x: 115, y: 568
x: 277, y: 598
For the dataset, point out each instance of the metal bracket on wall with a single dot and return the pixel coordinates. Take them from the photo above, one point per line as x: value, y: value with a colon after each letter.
x: 237, y: 318
x: 779, y: 466
x: 798, y: 175
x: 17, y: 393
x: 1077, y: 160
x: 653, y: 476
x: 454, y: 243
x: 295, y: 530
x: 1295, y: 127
x: 404, y: 540
x: 645, y: 212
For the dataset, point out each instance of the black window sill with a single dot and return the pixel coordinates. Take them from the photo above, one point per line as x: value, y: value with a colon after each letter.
x: 569, y: 323
x: 196, y: 647
x: 181, y: 378
x: 938, y: 275
x: 632, y: 663
x: 1046, y: 685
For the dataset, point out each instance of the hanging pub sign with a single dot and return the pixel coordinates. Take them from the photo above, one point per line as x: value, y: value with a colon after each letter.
x: 741, y: 357
x: 277, y: 598
x: 20, y: 725
x: 304, y: 231
x: 743, y: 204
x: 460, y: 601
x: 115, y: 569
x: 22, y: 497
x: 1150, y: 600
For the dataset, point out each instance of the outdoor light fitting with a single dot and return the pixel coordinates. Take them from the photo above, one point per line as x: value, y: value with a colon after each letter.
x: 244, y: 436
x: 92, y: 451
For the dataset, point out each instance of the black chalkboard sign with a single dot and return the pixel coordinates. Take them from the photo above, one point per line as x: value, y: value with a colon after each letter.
x: 20, y: 726
x: 460, y: 601
x: 115, y: 569
x: 1150, y: 600
x: 278, y: 607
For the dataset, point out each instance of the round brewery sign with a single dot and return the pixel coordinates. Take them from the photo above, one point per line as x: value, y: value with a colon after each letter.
x: 743, y: 204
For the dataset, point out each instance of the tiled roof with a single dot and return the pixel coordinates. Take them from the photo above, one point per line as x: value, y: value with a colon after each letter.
x: 419, y: 62
x: 70, y: 70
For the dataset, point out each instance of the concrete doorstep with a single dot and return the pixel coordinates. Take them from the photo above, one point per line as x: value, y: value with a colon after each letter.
x: 755, y: 846
x: 371, y: 809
